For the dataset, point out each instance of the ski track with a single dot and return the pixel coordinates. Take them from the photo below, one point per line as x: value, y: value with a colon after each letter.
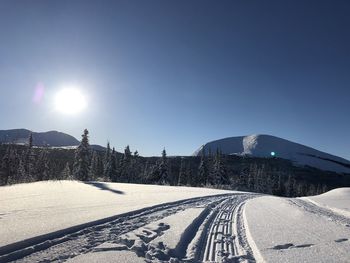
x: 321, y: 211
x: 226, y: 240
x: 223, y: 238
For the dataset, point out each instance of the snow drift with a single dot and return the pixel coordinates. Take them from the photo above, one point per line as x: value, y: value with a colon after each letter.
x: 267, y: 145
x: 338, y: 200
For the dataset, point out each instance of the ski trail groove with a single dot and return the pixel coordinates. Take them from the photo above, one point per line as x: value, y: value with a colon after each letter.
x: 70, y: 244
x: 320, y: 211
x: 226, y: 240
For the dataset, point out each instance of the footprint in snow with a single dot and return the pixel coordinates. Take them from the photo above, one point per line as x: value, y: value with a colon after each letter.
x: 341, y: 240
x: 284, y: 246
x: 305, y: 245
x: 291, y: 245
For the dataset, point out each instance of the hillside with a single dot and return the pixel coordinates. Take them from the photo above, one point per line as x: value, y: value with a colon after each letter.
x: 271, y: 146
x: 50, y: 138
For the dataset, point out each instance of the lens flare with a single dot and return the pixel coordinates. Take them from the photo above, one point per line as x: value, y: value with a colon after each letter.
x: 39, y: 93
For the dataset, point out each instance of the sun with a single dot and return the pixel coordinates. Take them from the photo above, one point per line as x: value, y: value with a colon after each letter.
x: 70, y: 101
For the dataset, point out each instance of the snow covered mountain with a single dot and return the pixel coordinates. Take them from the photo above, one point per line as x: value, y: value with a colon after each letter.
x: 270, y: 146
x: 51, y: 138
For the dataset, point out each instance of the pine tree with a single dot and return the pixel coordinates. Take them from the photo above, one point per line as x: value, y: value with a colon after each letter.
x: 182, y: 179
x: 253, y: 169
x: 136, y: 169
x: 190, y: 179
x: 112, y: 167
x: 66, y: 173
x: 30, y: 161
x: 163, y: 168
x: 30, y: 140
x: 219, y: 174
x: 21, y: 173
x: 94, y: 171
x: 6, y: 167
x: 276, y: 183
x: 289, y: 185
x: 82, y: 158
x: 312, y: 190
x: 127, y: 152
x: 42, y: 166
x: 202, y: 171
x: 107, y: 156
x: 243, y: 177
x: 125, y: 165
x: 145, y: 173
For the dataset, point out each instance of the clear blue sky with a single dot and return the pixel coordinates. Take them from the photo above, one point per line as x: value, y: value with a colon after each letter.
x: 177, y: 74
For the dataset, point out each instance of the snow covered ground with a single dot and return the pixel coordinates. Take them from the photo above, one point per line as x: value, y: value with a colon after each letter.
x: 52, y: 206
x: 112, y: 222
x: 336, y: 200
x: 297, y: 230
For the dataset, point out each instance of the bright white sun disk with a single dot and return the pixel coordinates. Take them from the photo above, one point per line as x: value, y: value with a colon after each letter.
x: 70, y: 100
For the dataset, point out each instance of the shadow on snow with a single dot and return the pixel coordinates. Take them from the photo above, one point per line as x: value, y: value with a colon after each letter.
x: 103, y: 186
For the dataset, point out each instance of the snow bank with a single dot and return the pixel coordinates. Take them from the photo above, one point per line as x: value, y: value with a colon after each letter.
x: 30, y: 210
x: 337, y: 200
x: 284, y: 232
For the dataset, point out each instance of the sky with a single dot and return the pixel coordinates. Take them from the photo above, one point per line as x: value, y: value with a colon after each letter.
x: 177, y: 74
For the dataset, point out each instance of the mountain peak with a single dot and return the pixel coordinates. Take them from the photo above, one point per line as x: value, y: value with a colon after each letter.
x: 265, y: 146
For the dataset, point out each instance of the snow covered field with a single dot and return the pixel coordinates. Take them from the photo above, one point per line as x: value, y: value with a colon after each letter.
x: 51, y: 206
x: 112, y: 222
x: 292, y: 230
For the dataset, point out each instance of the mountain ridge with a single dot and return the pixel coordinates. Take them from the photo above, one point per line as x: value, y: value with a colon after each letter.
x: 264, y: 145
x: 49, y: 138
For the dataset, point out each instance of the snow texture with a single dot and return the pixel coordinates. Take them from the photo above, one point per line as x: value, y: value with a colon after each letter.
x: 112, y: 222
x: 30, y: 210
x: 337, y: 200
x: 294, y: 230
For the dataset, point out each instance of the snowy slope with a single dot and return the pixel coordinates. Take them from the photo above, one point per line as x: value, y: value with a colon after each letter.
x: 338, y: 200
x: 295, y: 230
x: 263, y: 145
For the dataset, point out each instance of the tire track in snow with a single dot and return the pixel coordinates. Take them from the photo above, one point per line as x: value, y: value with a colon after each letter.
x: 68, y: 243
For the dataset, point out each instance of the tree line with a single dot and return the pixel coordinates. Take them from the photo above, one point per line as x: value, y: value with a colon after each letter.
x: 216, y: 170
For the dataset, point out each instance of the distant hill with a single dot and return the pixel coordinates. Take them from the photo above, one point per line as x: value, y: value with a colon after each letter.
x: 50, y: 138
x: 271, y: 146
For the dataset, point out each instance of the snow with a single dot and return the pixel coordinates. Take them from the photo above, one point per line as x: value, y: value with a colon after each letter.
x: 108, y: 253
x: 289, y: 230
x: 112, y: 222
x: 263, y: 145
x: 337, y: 200
x: 30, y: 210
x: 160, y: 238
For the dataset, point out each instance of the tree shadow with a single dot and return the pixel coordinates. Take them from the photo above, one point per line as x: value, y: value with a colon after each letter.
x: 103, y: 186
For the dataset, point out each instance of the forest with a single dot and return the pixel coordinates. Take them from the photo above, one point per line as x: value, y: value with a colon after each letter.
x: 29, y: 163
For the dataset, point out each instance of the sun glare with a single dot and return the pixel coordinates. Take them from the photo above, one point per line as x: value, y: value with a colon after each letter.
x: 70, y: 100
